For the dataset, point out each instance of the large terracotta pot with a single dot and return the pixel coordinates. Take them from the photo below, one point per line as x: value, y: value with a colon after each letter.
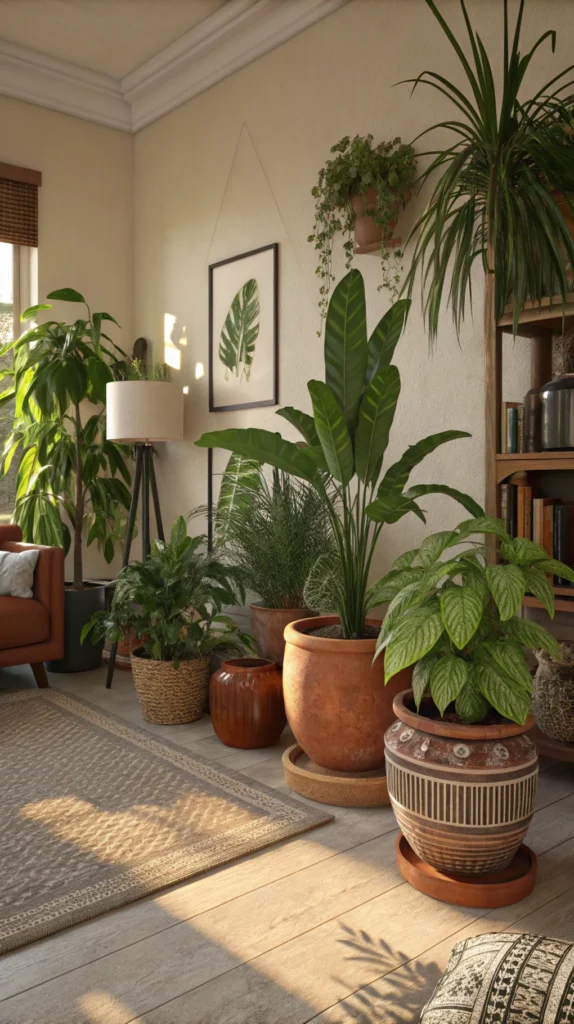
x: 463, y: 795
x: 268, y: 627
x: 336, y: 700
x: 246, y: 703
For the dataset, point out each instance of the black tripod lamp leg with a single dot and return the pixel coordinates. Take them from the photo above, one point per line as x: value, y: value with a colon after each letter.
x: 155, y: 497
x: 127, y: 546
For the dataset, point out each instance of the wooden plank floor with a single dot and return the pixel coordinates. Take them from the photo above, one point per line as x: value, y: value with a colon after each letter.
x: 320, y: 928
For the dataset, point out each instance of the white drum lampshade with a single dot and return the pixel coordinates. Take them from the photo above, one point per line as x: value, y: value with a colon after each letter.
x: 141, y: 411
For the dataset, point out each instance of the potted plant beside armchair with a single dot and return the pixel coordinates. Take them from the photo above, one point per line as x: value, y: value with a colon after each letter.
x: 72, y: 483
x: 335, y: 700
x: 174, y: 602
x: 461, y: 769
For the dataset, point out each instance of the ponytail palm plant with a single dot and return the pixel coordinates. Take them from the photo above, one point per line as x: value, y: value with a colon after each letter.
x: 344, y: 443
x: 500, y: 182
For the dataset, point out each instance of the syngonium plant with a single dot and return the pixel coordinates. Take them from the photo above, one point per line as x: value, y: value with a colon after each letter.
x: 498, y: 186
x: 344, y: 443
x: 453, y: 617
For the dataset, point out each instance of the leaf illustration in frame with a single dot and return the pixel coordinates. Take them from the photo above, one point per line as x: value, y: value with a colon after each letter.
x: 240, y: 332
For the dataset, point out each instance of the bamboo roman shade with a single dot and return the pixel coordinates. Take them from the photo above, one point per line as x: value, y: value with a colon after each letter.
x: 19, y: 205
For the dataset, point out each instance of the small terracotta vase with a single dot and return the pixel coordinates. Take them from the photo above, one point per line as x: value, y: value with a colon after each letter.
x: 463, y: 795
x: 246, y: 702
x: 268, y: 627
x: 336, y: 700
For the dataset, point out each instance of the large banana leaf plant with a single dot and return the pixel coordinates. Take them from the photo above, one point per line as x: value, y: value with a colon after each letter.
x: 344, y: 442
x: 454, y: 618
x: 502, y: 184
x: 69, y: 475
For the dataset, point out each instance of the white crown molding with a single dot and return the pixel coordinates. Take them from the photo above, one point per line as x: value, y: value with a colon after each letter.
x: 228, y: 40
x: 49, y: 82
x: 233, y: 37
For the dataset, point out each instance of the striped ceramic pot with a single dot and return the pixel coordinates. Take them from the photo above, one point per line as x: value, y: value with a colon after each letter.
x: 463, y: 795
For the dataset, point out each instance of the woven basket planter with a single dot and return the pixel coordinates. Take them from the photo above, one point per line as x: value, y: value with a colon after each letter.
x: 553, y: 698
x: 171, y: 696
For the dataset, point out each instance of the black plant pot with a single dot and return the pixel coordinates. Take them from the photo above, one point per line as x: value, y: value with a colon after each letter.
x: 79, y: 606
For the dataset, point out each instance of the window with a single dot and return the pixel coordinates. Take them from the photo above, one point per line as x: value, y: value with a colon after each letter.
x: 18, y: 289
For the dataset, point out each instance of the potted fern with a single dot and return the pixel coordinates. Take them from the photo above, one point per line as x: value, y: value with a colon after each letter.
x: 461, y: 768
x: 272, y: 531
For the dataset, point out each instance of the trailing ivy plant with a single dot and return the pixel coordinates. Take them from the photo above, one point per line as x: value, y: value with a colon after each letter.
x: 452, y: 616
x: 389, y: 169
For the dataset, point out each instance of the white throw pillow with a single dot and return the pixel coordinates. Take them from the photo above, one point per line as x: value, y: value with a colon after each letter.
x: 17, y: 573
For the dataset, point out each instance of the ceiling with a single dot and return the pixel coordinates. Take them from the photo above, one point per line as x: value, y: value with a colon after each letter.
x: 110, y: 36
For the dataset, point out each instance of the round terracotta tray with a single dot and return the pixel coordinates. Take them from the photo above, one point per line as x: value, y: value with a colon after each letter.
x: 497, y: 889
x: 343, y: 789
x: 552, y: 748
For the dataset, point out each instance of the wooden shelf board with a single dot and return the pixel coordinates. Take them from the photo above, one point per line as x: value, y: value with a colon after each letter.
x: 547, y: 314
x: 534, y: 461
x: 562, y: 604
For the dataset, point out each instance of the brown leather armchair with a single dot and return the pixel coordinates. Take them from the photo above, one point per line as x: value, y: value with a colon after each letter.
x: 32, y: 631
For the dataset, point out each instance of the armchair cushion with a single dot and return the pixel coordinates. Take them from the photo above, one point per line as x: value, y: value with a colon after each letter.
x: 17, y: 573
x: 22, y: 622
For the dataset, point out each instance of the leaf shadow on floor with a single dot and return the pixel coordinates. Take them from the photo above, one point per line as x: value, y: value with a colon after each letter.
x: 398, y: 994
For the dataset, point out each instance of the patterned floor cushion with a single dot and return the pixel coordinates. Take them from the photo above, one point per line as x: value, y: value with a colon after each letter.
x: 505, y: 979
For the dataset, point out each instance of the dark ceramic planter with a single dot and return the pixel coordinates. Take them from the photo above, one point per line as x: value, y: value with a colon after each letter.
x: 246, y: 703
x: 79, y: 606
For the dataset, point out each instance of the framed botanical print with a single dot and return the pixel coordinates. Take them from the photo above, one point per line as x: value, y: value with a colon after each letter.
x: 243, y: 331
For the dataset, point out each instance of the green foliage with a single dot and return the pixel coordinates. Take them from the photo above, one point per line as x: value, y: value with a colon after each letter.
x: 495, y: 199
x: 69, y: 474
x: 344, y: 444
x: 356, y: 167
x: 240, y: 332
x: 271, y: 532
x: 452, y: 618
x: 157, y: 372
x: 174, y: 602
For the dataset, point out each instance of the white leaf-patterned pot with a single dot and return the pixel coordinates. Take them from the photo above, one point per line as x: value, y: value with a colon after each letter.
x: 463, y: 795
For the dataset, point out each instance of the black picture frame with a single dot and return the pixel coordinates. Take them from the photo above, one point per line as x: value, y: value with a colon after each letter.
x: 213, y: 267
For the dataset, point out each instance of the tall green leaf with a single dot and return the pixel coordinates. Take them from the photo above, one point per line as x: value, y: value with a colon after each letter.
x: 532, y: 635
x: 421, y: 677
x: 263, y: 446
x: 332, y: 430
x: 396, y: 477
x: 240, y: 332
x: 346, y: 345
x: 420, y: 490
x: 385, y: 336
x: 538, y: 584
x: 376, y: 416
x: 239, y: 484
x: 470, y: 704
x: 305, y: 424
x: 389, y: 508
x: 512, y: 702
x: 510, y: 658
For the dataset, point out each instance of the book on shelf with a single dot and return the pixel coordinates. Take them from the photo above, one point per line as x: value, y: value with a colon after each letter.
x: 510, y: 427
x: 562, y: 533
x: 543, y: 524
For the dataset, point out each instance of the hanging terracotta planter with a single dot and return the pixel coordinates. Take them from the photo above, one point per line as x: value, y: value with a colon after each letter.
x: 463, y: 795
x: 369, y: 234
x: 336, y: 700
x: 246, y: 703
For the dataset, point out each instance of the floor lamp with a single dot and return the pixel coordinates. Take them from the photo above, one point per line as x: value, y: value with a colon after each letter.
x: 142, y: 412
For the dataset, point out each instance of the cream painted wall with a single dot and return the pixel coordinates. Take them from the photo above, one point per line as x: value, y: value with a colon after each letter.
x: 85, y: 212
x: 232, y: 170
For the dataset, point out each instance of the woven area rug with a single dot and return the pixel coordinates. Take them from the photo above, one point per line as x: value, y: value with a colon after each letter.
x: 95, y: 813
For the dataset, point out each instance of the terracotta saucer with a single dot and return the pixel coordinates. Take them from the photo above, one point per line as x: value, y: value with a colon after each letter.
x: 342, y: 789
x: 496, y: 889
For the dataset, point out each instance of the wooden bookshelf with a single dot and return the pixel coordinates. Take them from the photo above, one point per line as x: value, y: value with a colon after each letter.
x: 549, y: 314
x: 510, y: 463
